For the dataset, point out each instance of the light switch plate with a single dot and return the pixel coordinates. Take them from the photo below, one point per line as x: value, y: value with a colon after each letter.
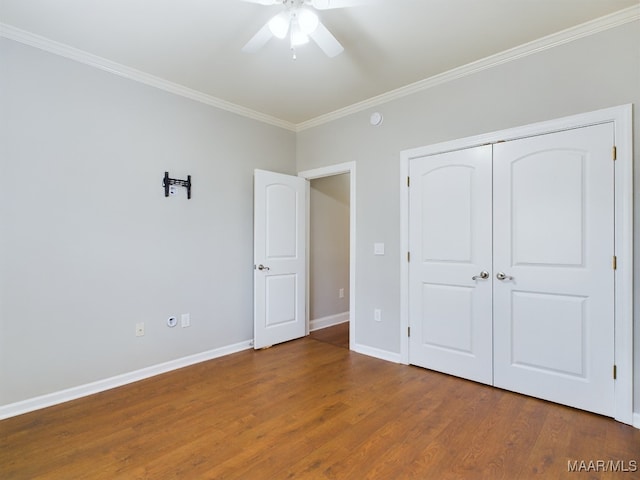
x: 378, y: 248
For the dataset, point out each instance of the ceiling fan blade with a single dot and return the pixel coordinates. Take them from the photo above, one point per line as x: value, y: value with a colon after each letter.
x: 329, y: 4
x: 326, y: 41
x: 258, y: 40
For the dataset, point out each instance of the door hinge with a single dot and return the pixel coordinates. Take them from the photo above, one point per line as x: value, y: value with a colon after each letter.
x: 408, y: 256
x: 615, y: 372
x: 614, y: 153
x: 615, y: 262
x: 408, y: 181
x: 408, y: 331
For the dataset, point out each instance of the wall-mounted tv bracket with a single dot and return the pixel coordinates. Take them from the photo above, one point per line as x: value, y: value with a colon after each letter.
x: 174, y: 181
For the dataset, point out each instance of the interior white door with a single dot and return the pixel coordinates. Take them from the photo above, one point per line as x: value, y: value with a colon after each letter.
x: 279, y: 258
x: 450, y: 243
x: 554, y: 243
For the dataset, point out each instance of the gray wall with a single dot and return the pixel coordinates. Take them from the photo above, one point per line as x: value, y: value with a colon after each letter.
x: 89, y: 245
x: 329, y: 246
x: 591, y: 73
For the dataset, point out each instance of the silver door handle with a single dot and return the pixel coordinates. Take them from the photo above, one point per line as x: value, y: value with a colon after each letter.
x: 483, y: 275
x: 503, y: 276
x: 262, y: 267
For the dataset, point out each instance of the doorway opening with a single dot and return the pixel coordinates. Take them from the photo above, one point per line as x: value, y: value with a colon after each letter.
x: 331, y: 246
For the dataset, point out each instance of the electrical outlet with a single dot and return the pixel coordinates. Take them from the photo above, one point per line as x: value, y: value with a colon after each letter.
x: 377, y: 314
x: 140, y: 329
x: 172, y: 322
x: 341, y: 293
x: 185, y: 320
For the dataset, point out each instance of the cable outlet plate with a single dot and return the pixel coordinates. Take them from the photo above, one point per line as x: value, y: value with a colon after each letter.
x: 172, y: 322
x: 140, y: 329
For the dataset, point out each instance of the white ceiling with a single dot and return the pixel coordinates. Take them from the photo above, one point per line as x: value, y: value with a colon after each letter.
x: 388, y: 43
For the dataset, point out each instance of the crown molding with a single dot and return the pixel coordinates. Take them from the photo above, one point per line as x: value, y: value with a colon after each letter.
x: 28, y: 38
x: 550, y: 41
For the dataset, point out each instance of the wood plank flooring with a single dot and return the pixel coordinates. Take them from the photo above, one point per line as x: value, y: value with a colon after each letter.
x: 337, y: 335
x: 309, y: 409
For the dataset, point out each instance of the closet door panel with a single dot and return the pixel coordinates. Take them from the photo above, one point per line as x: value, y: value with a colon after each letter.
x: 553, y: 244
x: 450, y: 243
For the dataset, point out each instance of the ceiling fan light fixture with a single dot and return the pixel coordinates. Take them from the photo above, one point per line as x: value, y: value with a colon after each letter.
x: 279, y: 25
x: 307, y: 20
x: 299, y: 23
x: 298, y: 36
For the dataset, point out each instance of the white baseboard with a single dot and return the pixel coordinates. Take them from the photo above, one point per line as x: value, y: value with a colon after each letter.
x: 50, y: 399
x: 329, y: 321
x: 636, y: 420
x: 377, y: 353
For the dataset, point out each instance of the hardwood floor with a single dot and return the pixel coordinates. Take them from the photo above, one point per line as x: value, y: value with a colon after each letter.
x: 337, y: 335
x: 308, y: 409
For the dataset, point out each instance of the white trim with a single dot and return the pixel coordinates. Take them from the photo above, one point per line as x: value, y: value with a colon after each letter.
x: 636, y: 420
x: 621, y: 117
x: 404, y: 261
x: 329, y: 321
x: 350, y: 168
x: 87, y: 58
x: 50, y: 399
x: 623, y: 125
x: 550, y: 41
x: 337, y: 169
x: 377, y: 353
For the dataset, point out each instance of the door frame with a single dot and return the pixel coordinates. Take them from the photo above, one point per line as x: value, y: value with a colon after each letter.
x: 621, y: 117
x: 350, y: 168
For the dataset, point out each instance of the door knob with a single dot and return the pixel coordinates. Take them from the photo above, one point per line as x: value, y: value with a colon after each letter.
x: 483, y: 275
x: 503, y: 276
x: 262, y: 267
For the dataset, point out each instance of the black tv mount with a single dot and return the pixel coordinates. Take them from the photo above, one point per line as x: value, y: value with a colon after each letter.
x: 167, y: 182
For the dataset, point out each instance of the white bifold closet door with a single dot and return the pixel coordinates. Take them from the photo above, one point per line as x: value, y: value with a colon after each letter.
x: 542, y: 321
x: 450, y: 306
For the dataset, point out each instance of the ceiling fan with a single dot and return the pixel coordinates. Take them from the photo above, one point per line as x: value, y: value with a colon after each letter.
x: 299, y: 22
